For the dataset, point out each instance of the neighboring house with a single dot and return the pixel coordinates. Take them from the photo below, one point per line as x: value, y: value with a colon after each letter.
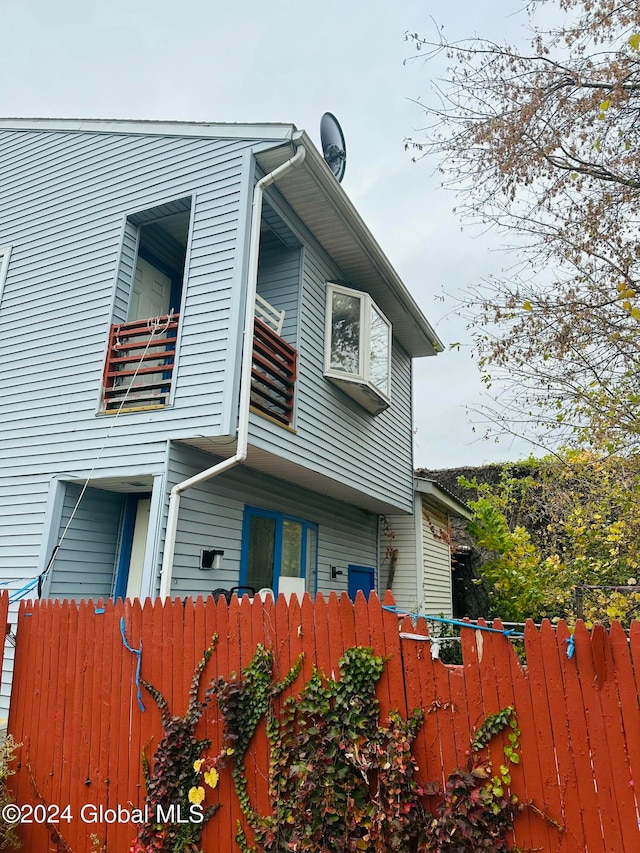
x: 175, y: 460
x: 417, y: 550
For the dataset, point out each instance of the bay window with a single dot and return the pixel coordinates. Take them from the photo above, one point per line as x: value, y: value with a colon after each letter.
x: 358, y: 347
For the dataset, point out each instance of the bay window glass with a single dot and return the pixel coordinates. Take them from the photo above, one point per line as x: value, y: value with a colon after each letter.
x: 345, y: 332
x: 358, y: 347
x: 379, y: 355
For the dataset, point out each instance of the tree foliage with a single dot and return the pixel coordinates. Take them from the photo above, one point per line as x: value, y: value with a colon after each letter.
x: 570, y: 522
x: 545, y: 144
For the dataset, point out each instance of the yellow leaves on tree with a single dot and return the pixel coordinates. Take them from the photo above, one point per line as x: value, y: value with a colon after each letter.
x: 542, y: 141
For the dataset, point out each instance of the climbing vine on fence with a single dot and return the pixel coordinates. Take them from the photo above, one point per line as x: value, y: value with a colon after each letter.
x: 173, y: 779
x: 340, y: 779
x: 477, y: 809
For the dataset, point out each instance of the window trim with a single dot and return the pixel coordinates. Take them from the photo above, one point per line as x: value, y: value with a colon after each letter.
x: 279, y: 517
x: 5, y: 255
x: 363, y: 378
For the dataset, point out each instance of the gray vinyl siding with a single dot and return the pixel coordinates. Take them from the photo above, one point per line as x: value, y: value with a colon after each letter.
x: 65, y: 198
x: 333, y: 434
x: 279, y: 284
x: 23, y: 505
x: 126, y: 270
x: 422, y: 579
x: 405, y: 578
x: 85, y: 563
x: 211, y: 517
x: 436, y: 556
x: 24, y: 513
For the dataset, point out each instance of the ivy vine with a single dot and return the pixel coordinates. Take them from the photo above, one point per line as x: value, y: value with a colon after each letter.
x: 340, y: 780
x: 243, y: 703
x: 477, y: 810
x: 173, y: 780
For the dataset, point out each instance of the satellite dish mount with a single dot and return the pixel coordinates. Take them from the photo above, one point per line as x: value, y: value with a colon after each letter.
x: 334, y: 149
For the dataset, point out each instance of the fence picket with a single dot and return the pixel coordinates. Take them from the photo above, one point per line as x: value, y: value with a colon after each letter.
x: 547, y: 798
x: 235, y: 666
x: 603, y: 772
x: 225, y: 819
x: 570, y: 815
x: 623, y: 669
x: 614, y: 730
x: 385, y: 640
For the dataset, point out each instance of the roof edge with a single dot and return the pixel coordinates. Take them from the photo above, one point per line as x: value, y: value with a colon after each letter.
x: 152, y: 127
x: 442, y: 496
x: 315, y: 162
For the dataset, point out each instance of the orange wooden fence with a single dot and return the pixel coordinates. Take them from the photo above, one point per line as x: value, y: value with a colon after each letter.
x: 74, y: 708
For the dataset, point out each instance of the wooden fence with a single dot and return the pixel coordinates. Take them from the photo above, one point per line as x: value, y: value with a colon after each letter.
x: 74, y: 707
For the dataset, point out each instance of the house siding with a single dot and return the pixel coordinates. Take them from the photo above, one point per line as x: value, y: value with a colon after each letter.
x: 211, y: 516
x: 401, y: 535
x: 85, y: 564
x: 65, y: 198
x: 334, y: 435
x: 436, y: 555
x: 422, y: 578
x: 279, y: 283
x: 126, y: 271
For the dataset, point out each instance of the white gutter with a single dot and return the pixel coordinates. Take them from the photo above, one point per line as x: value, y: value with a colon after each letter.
x: 245, y: 378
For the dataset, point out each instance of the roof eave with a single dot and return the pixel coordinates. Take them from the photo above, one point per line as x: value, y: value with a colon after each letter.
x: 442, y: 497
x: 414, y: 332
x: 269, y: 131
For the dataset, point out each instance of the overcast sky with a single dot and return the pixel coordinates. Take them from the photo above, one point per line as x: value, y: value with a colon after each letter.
x: 202, y: 60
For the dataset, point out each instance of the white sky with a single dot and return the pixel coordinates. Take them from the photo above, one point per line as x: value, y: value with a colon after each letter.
x: 289, y: 61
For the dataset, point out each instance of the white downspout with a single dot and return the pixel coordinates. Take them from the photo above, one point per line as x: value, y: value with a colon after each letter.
x: 245, y: 378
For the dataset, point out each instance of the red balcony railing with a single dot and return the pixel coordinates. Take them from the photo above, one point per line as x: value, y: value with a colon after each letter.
x: 273, y: 374
x: 139, y: 365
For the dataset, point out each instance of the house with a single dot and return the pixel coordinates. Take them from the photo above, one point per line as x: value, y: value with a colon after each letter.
x: 417, y: 550
x: 205, y: 370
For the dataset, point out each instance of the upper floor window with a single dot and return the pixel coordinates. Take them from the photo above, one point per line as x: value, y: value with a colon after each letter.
x: 358, y: 347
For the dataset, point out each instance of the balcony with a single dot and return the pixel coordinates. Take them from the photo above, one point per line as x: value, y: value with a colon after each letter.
x: 139, y: 366
x: 273, y: 374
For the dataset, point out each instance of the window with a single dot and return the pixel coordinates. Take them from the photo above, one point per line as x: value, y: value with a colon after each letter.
x: 276, y: 546
x: 4, y: 266
x: 358, y: 348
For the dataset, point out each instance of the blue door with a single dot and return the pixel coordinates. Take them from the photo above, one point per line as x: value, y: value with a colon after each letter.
x: 360, y: 577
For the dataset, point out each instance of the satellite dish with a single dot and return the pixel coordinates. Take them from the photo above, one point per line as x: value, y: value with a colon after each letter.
x: 334, y: 148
